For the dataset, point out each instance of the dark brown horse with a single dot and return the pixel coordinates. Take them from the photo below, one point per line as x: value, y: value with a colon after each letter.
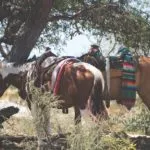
x: 81, y: 86
x: 142, y: 79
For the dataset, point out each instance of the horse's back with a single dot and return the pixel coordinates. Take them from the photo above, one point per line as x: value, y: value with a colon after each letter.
x: 144, y: 81
x: 78, y: 80
x: 144, y: 60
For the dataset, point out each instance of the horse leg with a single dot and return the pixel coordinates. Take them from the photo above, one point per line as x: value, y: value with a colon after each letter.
x: 77, y: 118
x: 41, y: 118
x: 143, y: 87
x: 144, y: 95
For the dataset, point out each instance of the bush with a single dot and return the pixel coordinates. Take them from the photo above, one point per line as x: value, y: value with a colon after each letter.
x: 140, y: 121
x: 99, y: 137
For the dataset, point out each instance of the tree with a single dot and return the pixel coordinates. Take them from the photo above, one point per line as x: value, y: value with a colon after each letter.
x: 25, y: 24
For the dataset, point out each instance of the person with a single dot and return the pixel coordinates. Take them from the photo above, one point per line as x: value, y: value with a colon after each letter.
x: 94, y: 49
x: 96, y: 53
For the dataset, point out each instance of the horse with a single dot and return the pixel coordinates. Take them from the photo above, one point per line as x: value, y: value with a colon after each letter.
x: 80, y: 86
x: 141, y: 76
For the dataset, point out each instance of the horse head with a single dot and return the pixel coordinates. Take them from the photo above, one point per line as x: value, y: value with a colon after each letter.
x: 3, y: 74
x: 10, y: 74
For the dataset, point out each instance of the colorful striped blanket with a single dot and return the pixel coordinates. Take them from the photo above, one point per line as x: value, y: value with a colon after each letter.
x: 128, y: 89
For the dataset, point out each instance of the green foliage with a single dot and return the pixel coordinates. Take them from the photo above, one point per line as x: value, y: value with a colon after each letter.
x: 43, y: 99
x: 140, y: 121
x: 112, y: 143
x: 99, y: 137
x: 128, y: 24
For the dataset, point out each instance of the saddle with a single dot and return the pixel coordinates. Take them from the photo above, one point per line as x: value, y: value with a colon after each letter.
x: 43, y: 66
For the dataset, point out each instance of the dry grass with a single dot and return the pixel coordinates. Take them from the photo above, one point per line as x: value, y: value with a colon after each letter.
x: 82, y: 137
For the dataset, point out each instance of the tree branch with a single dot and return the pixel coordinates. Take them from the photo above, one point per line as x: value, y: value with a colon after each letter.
x: 83, y: 11
x: 3, y: 52
x: 70, y: 17
x: 30, y: 31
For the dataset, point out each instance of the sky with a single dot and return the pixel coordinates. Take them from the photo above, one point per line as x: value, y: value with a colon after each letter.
x: 75, y: 47
x: 79, y: 45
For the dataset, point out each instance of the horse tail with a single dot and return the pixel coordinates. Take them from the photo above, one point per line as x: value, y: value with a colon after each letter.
x: 96, y: 101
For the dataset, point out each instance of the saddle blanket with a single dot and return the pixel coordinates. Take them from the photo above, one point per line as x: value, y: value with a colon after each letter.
x: 128, y: 90
x: 57, y: 73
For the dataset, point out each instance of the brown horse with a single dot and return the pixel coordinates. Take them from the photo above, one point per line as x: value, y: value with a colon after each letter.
x: 142, y: 79
x: 81, y: 86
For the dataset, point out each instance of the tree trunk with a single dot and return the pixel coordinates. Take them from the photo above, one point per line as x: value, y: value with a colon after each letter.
x: 30, y: 31
x: 3, y: 13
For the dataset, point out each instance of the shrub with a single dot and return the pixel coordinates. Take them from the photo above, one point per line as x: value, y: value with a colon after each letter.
x: 140, y: 121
